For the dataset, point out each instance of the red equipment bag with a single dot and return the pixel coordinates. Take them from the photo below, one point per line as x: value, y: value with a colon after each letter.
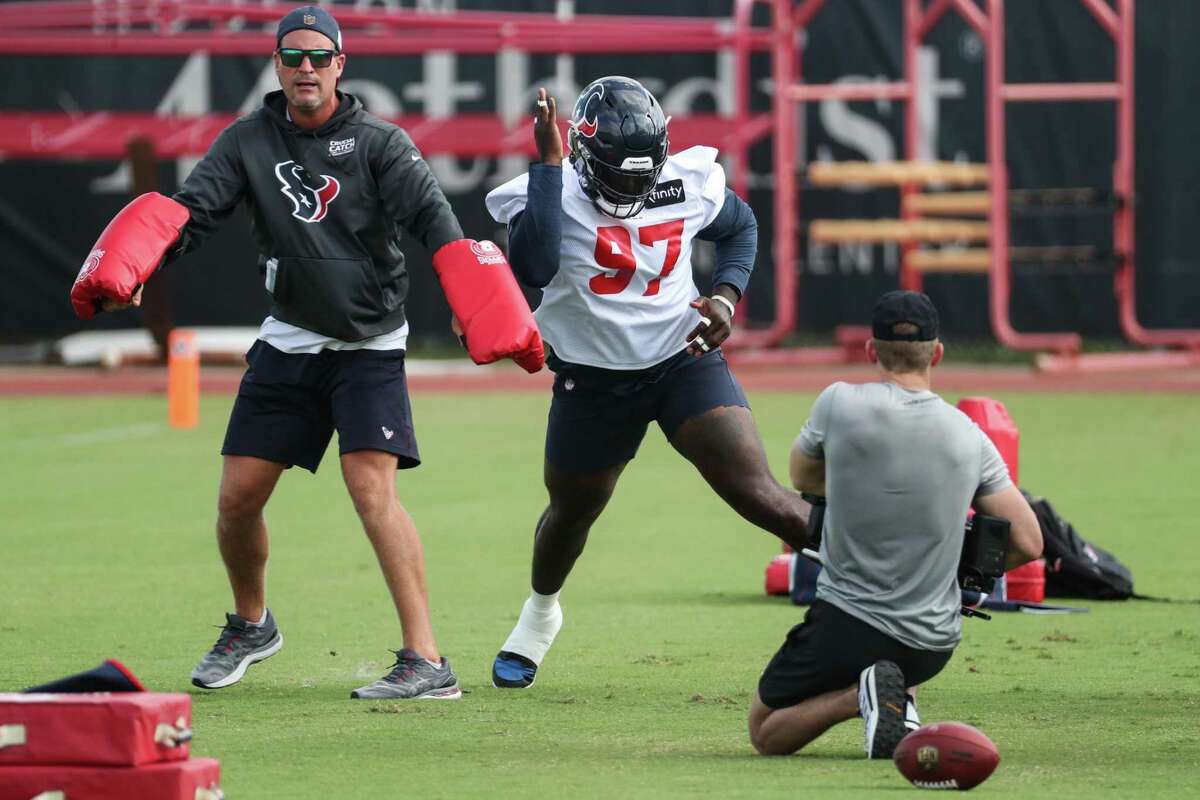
x: 1027, y: 582
x: 100, y: 729
x: 779, y: 574
x: 992, y: 418
x: 195, y: 779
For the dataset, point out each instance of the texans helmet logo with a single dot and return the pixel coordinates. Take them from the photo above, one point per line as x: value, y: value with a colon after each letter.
x: 308, y: 205
x: 587, y: 125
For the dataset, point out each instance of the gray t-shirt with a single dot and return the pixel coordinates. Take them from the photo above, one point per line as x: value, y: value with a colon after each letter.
x: 901, y: 470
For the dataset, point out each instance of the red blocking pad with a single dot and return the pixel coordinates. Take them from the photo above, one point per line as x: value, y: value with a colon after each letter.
x: 195, y: 779
x: 101, y: 729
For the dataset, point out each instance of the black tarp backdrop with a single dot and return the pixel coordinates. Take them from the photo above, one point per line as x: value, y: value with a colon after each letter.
x: 51, y: 211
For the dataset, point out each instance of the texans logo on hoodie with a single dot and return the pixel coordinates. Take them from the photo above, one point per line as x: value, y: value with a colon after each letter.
x: 308, y: 205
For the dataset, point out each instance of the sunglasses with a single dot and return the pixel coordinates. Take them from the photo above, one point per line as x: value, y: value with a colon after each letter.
x: 292, y: 58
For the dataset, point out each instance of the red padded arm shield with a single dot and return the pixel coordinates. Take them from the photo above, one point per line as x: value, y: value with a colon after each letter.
x: 128, y: 252
x: 484, y: 296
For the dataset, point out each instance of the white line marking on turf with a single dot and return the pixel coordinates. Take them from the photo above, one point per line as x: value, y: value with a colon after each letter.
x: 102, y: 435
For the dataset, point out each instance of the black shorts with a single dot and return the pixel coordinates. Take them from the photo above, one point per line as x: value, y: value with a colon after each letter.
x: 830, y: 649
x: 289, y: 405
x: 598, y: 417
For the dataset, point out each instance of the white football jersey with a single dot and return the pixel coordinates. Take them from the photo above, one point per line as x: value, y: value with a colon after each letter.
x: 621, y: 297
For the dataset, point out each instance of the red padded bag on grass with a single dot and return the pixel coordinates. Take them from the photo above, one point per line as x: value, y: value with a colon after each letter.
x: 195, y: 779
x: 100, y: 729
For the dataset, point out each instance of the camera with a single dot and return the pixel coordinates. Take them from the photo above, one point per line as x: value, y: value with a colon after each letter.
x: 985, y: 549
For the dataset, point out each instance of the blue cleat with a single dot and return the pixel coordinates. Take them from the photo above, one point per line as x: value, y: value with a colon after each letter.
x: 513, y: 671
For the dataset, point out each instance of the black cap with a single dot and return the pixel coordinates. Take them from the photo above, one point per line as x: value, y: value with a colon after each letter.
x: 911, y: 307
x: 310, y: 18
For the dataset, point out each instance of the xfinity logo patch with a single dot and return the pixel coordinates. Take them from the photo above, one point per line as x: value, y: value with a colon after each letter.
x: 341, y: 147
x: 666, y: 194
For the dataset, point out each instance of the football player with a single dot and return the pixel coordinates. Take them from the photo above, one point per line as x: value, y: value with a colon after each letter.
x: 629, y: 337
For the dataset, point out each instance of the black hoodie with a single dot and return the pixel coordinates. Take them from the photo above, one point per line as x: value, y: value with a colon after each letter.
x: 328, y: 229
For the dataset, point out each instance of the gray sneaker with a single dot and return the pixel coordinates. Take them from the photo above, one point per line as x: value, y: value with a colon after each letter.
x: 412, y: 678
x: 239, y: 645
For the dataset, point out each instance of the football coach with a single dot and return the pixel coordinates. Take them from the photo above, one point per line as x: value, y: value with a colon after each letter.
x: 330, y: 190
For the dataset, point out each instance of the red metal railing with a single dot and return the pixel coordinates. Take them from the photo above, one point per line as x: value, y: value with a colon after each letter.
x: 1124, y: 239
x: 919, y: 20
x: 153, y: 26
x: 1119, y: 24
x: 104, y: 134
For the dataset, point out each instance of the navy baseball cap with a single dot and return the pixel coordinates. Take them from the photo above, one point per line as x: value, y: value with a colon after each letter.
x: 911, y: 307
x: 311, y: 18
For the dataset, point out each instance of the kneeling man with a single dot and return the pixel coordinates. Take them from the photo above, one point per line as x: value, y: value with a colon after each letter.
x: 899, y: 468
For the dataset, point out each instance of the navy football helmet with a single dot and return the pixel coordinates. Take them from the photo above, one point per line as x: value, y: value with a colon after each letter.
x: 618, y: 144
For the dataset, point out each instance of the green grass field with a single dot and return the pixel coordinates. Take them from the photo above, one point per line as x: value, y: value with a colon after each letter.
x: 106, y: 550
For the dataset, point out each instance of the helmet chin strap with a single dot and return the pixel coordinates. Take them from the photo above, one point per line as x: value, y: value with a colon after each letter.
x: 615, y: 209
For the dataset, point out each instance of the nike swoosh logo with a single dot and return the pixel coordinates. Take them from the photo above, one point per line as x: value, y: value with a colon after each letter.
x: 416, y: 157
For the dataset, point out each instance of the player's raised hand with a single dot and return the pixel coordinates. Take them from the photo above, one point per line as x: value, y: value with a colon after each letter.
x: 545, y: 130
x: 716, y: 323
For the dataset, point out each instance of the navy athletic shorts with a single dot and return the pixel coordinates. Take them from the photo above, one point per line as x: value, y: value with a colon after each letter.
x: 289, y: 405
x: 830, y: 649
x: 598, y: 417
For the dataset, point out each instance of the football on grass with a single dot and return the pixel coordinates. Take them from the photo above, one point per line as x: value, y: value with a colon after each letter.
x: 946, y: 755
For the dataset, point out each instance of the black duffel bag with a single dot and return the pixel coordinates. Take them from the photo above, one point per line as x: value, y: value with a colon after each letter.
x: 1074, y: 566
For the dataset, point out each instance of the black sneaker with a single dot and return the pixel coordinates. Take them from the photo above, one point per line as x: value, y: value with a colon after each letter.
x: 881, y: 701
x: 239, y: 645
x: 412, y: 678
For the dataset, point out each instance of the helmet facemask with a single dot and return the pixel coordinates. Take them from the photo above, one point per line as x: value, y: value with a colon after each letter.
x: 618, y: 191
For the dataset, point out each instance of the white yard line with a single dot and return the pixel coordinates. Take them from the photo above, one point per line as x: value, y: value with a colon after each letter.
x: 97, y: 436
